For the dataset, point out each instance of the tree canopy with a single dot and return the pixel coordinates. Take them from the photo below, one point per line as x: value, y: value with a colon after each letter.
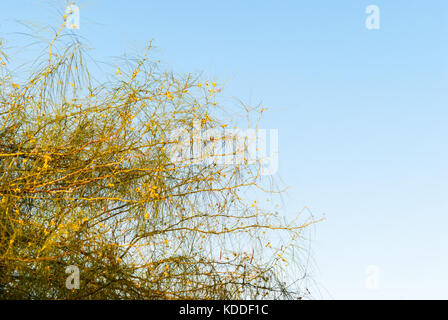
x: 88, y: 179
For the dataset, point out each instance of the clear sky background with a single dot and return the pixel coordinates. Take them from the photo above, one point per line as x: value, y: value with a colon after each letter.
x: 362, y: 115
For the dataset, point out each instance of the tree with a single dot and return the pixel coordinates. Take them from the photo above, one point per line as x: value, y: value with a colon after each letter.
x: 88, y: 179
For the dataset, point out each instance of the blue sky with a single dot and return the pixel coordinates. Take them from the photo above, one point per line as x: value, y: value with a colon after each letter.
x: 361, y: 115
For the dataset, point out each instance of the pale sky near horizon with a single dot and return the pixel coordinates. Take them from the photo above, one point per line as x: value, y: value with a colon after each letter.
x: 362, y: 116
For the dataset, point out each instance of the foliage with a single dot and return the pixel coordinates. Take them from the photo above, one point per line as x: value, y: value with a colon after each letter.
x: 86, y: 179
